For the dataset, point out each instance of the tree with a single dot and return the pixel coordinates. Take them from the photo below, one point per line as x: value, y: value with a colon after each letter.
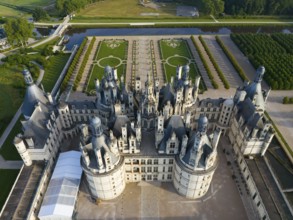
x: 40, y: 14
x: 285, y: 100
x: 18, y: 30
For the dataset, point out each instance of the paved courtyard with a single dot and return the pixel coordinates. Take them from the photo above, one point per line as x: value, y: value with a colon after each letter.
x: 156, y: 200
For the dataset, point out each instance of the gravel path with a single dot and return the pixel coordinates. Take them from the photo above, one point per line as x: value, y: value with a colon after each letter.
x: 224, y: 63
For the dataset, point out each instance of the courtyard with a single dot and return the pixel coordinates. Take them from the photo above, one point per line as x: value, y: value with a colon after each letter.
x: 159, y: 200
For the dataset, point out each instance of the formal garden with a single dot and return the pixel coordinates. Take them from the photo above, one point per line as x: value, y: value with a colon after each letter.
x: 275, y: 52
x: 176, y: 52
x: 112, y: 53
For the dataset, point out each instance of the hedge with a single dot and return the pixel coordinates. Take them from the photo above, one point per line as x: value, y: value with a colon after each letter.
x: 206, y: 66
x: 73, y: 65
x: 83, y: 64
x: 220, y: 73
x: 232, y: 60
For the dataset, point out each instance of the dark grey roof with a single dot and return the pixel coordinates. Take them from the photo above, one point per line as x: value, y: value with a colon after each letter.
x: 121, y: 120
x: 173, y: 124
x: 250, y: 116
x: 254, y: 90
x: 33, y: 95
x: 166, y: 94
x: 35, y: 126
x: 206, y: 149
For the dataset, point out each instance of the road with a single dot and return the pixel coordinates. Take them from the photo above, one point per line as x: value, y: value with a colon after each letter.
x: 165, y: 22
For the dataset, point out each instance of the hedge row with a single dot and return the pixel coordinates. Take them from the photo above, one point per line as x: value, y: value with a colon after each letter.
x: 206, y: 66
x: 220, y: 73
x: 73, y: 65
x: 232, y: 60
x: 83, y: 64
x: 287, y: 100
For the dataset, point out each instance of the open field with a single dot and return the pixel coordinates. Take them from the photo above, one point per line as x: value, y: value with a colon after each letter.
x: 112, y: 53
x: 8, y: 12
x: 128, y: 8
x: 12, y: 85
x: 7, y: 179
x: 176, y: 52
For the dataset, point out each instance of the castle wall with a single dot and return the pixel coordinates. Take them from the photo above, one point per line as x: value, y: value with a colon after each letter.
x: 108, y: 185
x: 192, y: 184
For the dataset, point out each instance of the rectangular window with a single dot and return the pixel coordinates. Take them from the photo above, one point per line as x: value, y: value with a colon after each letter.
x: 170, y: 161
x: 169, y: 177
x: 156, y: 161
x: 172, y: 145
x: 142, y: 161
x: 155, y: 169
x: 170, y: 169
x: 149, y: 169
x: 149, y: 161
x: 149, y: 177
x: 143, y: 169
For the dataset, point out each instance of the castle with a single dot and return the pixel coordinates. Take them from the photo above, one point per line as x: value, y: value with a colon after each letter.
x: 148, y: 133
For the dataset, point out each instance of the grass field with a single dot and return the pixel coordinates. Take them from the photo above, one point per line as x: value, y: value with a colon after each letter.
x: 108, y: 53
x: 8, y: 150
x: 8, y: 12
x: 7, y: 180
x: 52, y: 72
x: 176, y: 52
x: 12, y: 90
x: 126, y: 8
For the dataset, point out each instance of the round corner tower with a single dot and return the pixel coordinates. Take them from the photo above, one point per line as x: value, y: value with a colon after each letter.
x: 101, y: 162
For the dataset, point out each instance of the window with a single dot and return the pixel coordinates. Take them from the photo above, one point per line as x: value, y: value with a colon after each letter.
x: 149, y: 177
x: 172, y: 145
x: 170, y: 169
x: 155, y: 177
x: 171, y: 151
x: 149, y: 161
x: 142, y: 161
x: 143, y: 169
x: 155, y: 169
x: 149, y: 169
x: 170, y: 161
x: 156, y: 161
x: 169, y: 177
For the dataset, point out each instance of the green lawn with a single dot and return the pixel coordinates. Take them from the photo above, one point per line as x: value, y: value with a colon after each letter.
x: 7, y: 180
x: 9, y: 12
x: 8, y: 150
x: 176, y: 52
x: 107, y: 54
x: 52, y: 72
x: 12, y: 91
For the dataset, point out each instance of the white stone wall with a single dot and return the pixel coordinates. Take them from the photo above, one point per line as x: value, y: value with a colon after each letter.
x: 107, y: 186
x: 192, y: 185
x: 149, y: 169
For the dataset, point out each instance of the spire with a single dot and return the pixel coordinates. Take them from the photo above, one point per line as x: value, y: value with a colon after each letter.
x: 260, y: 73
x: 202, y: 124
x: 96, y: 127
x: 27, y: 77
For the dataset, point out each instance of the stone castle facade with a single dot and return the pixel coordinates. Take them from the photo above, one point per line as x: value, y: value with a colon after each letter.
x: 148, y: 133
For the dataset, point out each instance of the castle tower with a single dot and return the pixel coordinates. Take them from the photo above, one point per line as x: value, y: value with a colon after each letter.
x: 101, y: 162
x: 32, y: 96
x: 193, y: 173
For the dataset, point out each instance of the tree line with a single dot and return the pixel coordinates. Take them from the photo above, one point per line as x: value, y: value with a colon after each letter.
x: 243, y: 7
